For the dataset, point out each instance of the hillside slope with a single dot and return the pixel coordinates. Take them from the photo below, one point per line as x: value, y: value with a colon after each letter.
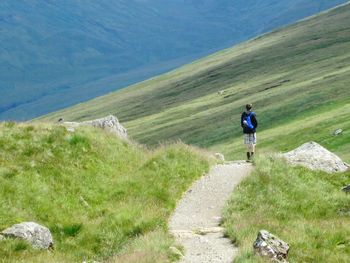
x: 304, y: 208
x: 57, y: 53
x: 297, y: 78
x: 99, y: 196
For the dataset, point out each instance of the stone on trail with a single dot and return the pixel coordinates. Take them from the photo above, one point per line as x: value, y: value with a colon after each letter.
x: 38, y: 236
x: 109, y: 123
x: 315, y: 157
x: 268, y: 245
x: 220, y: 157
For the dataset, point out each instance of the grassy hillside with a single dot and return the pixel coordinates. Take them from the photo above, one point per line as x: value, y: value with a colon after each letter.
x: 54, y: 54
x: 297, y: 78
x: 101, y: 197
x: 304, y: 208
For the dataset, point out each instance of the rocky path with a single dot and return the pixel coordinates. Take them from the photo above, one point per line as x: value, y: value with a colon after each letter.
x: 195, y: 222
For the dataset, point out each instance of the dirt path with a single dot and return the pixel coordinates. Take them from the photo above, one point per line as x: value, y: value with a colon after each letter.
x: 195, y: 222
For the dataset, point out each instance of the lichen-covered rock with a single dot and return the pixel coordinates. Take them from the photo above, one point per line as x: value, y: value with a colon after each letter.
x: 315, y: 157
x: 268, y: 245
x: 109, y: 123
x: 38, y: 236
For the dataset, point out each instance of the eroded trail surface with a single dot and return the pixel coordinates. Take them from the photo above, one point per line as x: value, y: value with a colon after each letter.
x: 195, y: 222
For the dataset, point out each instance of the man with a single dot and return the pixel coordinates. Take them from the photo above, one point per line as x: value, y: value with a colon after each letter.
x: 249, y: 124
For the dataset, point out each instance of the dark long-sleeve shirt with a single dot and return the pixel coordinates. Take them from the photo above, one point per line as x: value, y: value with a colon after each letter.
x: 246, y: 129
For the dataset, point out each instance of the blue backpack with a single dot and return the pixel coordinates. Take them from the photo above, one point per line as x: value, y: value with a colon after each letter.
x: 247, y: 118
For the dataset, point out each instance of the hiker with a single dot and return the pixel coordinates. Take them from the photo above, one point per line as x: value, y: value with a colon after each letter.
x: 249, y: 124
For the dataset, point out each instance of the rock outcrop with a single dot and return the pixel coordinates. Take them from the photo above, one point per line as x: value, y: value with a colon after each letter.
x: 38, y: 236
x: 109, y: 123
x: 268, y: 245
x: 315, y: 157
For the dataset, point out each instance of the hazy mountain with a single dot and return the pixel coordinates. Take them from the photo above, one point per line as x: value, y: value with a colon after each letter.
x: 56, y: 53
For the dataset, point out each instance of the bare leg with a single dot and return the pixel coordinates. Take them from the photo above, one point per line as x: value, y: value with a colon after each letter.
x: 252, y: 150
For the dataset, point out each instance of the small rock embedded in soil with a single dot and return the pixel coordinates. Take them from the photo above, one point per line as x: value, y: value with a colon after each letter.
x: 338, y: 132
x: 38, y: 236
x: 268, y: 245
x: 220, y: 157
x: 221, y: 92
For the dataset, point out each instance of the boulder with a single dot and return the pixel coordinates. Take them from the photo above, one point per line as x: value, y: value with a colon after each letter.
x: 38, y: 236
x: 109, y: 123
x: 315, y: 157
x: 268, y: 245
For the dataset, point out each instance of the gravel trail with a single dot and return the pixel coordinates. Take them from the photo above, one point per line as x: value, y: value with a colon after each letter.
x: 195, y: 222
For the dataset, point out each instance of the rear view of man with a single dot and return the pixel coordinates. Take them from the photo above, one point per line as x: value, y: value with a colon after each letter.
x: 249, y: 124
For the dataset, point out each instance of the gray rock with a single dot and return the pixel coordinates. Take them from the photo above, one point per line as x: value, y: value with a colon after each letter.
x: 338, y: 132
x: 268, y: 245
x: 38, y: 236
x: 315, y: 157
x: 220, y: 157
x: 109, y: 123
x: 346, y: 189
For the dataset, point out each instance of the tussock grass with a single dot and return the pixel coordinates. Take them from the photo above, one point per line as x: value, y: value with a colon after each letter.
x: 100, y: 196
x: 305, y: 208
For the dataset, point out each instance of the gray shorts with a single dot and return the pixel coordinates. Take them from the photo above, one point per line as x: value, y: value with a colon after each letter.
x: 250, y: 138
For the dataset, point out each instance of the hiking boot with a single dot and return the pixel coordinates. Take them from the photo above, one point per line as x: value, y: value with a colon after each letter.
x: 248, y: 156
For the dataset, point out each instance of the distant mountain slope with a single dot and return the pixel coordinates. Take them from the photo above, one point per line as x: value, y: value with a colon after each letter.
x: 297, y: 77
x: 54, y: 54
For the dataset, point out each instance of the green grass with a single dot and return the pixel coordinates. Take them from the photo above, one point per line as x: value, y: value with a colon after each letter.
x: 292, y: 73
x: 298, y: 79
x: 101, y: 197
x: 306, y: 209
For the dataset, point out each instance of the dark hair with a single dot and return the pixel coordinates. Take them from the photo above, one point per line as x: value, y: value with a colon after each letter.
x: 249, y: 106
